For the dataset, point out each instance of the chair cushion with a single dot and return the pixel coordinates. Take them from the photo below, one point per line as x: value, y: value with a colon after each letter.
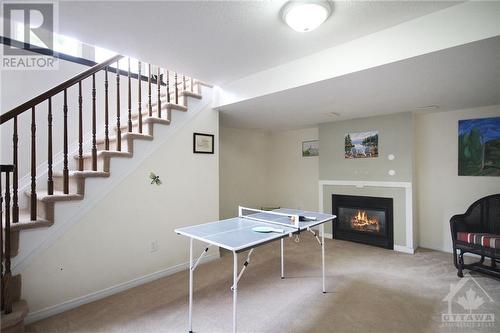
x: 486, y: 240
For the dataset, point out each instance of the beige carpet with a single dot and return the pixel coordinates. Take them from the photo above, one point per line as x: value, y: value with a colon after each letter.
x: 369, y: 290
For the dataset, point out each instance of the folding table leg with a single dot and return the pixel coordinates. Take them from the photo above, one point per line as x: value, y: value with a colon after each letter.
x: 282, y: 261
x: 190, y: 285
x: 323, y: 254
x: 235, y: 287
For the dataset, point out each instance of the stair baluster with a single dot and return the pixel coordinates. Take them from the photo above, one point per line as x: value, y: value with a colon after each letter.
x: 50, y: 180
x: 149, y: 91
x: 139, y: 97
x: 94, y: 126
x: 176, y: 89
x: 168, y: 87
x: 80, y: 127
x: 184, y: 83
x: 65, y: 144
x: 106, y: 110
x: 191, y: 83
x: 158, y: 85
x: 1, y: 245
x: 7, y: 276
x: 15, y: 200
x: 33, y: 165
x: 129, y: 99
x: 118, y: 130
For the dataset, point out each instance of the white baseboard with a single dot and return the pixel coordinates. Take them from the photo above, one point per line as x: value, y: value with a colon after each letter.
x: 76, y: 302
x: 404, y: 249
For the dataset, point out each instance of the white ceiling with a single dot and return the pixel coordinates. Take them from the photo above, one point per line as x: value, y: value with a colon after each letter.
x: 456, y: 78
x: 220, y: 41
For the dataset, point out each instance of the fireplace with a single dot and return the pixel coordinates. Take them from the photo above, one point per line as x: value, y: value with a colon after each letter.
x: 363, y: 219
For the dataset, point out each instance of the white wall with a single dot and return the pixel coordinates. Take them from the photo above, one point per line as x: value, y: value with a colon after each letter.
x: 243, y: 169
x: 441, y: 193
x: 293, y: 181
x: 111, y: 244
x: 266, y: 169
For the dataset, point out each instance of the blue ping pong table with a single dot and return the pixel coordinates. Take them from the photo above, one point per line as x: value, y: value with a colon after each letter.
x: 236, y: 235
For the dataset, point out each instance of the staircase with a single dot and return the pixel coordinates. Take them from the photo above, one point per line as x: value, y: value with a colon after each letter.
x: 165, y: 92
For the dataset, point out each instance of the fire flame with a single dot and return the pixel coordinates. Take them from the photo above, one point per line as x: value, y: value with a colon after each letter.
x: 362, y: 222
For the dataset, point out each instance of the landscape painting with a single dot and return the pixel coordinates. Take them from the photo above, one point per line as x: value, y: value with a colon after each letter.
x: 479, y: 147
x: 361, y: 144
x: 310, y: 148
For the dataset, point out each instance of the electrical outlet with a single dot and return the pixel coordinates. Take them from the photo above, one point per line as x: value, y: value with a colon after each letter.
x: 153, y: 246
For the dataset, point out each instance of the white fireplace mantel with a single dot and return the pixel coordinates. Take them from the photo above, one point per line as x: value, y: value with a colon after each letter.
x: 408, y: 203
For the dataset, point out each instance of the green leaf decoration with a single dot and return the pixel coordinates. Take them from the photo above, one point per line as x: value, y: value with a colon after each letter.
x: 154, y: 179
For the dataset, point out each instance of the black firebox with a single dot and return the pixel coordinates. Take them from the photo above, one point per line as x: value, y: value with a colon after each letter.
x: 361, y: 219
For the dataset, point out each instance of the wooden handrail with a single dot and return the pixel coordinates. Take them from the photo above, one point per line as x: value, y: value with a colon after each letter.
x: 57, y: 89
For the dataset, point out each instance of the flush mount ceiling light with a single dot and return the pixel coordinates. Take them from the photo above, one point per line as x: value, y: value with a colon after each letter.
x: 427, y: 107
x: 304, y: 16
x: 332, y: 114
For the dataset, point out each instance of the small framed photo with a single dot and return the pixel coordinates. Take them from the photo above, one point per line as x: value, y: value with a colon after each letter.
x: 310, y: 148
x: 203, y: 143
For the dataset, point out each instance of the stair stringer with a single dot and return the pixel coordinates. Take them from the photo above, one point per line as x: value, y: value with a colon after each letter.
x: 34, y: 241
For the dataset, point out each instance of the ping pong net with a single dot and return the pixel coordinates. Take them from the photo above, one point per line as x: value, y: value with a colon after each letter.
x: 288, y: 220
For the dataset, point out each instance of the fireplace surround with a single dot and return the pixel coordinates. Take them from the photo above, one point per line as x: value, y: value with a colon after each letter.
x: 363, y: 219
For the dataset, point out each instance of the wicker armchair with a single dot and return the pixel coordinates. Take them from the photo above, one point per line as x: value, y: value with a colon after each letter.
x: 478, y: 231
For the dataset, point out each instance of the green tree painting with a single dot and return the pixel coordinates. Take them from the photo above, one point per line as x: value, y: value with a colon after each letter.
x: 479, y: 147
x: 348, y: 143
x: 361, y: 144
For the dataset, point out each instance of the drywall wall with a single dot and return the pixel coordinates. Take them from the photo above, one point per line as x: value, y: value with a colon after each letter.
x: 395, y: 137
x: 243, y: 169
x: 112, y: 244
x: 441, y: 193
x: 266, y: 169
x: 293, y: 179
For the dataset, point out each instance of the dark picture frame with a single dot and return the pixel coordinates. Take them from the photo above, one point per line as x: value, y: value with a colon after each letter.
x: 198, y: 148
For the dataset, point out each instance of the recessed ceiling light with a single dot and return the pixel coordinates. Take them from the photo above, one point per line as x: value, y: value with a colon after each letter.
x: 332, y: 114
x: 304, y: 16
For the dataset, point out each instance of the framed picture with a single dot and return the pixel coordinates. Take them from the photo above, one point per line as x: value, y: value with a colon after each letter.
x: 310, y: 148
x: 479, y: 147
x: 203, y: 143
x: 361, y: 144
